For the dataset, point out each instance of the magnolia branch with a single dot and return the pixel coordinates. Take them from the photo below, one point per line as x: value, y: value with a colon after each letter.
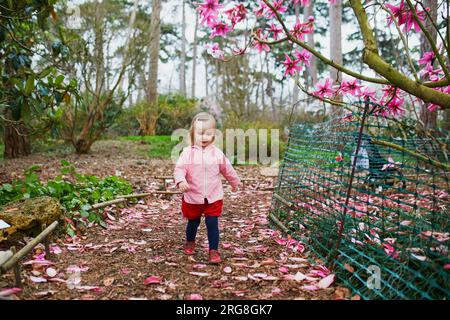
x: 319, y: 55
x: 430, y: 40
x: 405, y: 43
x: 435, y: 27
x: 397, y: 79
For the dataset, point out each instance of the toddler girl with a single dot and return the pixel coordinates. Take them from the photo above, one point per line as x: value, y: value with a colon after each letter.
x: 197, y: 175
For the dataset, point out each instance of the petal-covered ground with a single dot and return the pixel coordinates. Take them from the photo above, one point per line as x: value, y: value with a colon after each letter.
x: 139, y: 255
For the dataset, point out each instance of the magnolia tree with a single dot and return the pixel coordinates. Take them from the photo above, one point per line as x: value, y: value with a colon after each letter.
x: 390, y: 88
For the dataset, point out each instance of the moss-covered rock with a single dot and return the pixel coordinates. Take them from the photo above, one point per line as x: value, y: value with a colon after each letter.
x: 30, y: 215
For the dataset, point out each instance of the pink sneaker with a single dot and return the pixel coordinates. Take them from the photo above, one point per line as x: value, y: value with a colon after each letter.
x: 214, y: 257
x: 189, y: 247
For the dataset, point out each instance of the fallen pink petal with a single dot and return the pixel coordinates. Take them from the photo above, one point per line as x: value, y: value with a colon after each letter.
x: 152, y: 280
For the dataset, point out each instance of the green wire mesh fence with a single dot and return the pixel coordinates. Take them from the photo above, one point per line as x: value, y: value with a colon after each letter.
x: 395, y: 227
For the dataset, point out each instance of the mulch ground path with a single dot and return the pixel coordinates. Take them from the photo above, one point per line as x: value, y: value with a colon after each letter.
x: 139, y: 255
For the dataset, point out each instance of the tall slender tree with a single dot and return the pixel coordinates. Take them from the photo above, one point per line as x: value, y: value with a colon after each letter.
x: 429, y: 118
x: 183, y: 50
x: 148, y: 119
x: 194, y: 56
x: 311, y: 71
x: 336, y: 45
x: 296, y: 90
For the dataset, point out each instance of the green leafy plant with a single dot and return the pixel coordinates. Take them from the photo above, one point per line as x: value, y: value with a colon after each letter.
x: 76, y: 192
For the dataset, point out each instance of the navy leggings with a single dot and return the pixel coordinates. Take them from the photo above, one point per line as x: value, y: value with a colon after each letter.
x: 212, y: 227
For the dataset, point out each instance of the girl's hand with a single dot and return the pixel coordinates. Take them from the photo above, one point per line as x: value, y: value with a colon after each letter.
x: 234, y: 189
x: 183, y: 186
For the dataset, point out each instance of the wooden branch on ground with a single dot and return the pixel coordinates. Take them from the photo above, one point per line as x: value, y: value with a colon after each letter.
x: 266, y: 188
x: 146, y: 194
x: 282, y: 200
x: 25, y: 250
x: 164, y: 177
x: 107, y: 203
x: 279, y: 223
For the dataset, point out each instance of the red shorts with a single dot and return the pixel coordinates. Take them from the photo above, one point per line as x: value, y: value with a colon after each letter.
x: 193, y: 211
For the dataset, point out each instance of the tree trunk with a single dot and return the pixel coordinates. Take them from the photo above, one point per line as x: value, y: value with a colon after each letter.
x: 194, y: 56
x: 15, y: 137
x: 428, y: 118
x: 155, y: 34
x: 99, y: 54
x: 295, y: 90
x: 446, y: 122
x: 82, y: 146
x: 183, y: 51
x: 336, y: 47
x: 311, y: 75
x: 206, y: 77
x: 152, y: 93
x: 148, y: 123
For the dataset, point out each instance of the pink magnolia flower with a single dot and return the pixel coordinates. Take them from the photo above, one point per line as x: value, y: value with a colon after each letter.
x: 237, y: 13
x: 261, y: 10
x: 209, y: 11
x: 405, y: 17
x: 389, y: 92
x: 433, y: 107
x: 411, y: 21
x: 351, y: 86
x: 260, y: 46
x: 275, y: 30
x: 433, y: 74
x: 214, y: 50
x: 220, y: 29
x: 303, y: 56
x: 395, y: 106
x: 427, y: 57
x: 367, y: 92
x: 238, y: 51
x: 291, y: 65
x: 299, y: 29
x: 278, y: 6
x: 324, y: 89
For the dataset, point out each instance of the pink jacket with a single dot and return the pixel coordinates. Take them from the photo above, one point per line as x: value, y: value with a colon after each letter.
x: 201, y: 169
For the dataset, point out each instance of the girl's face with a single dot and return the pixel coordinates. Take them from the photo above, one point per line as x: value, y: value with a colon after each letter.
x: 204, y: 133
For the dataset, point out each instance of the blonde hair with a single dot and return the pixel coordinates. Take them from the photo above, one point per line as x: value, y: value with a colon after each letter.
x: 202, y: 117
